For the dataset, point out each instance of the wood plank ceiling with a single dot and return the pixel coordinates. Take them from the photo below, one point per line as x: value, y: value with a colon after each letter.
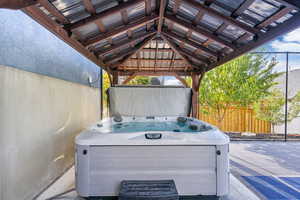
x: 163, y: 36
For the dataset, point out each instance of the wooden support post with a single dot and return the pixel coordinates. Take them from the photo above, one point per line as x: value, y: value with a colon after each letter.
x: 115, y: 77
x: 196, y: 80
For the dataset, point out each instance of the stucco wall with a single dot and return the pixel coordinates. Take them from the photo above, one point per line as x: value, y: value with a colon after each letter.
x: 27, y: 45
x: 39, y: 118
x: 293, y: 88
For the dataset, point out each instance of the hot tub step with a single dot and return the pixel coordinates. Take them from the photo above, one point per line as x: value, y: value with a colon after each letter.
x: 148, y: 190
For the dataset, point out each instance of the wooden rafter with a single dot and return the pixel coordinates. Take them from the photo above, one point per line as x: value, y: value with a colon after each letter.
x: 206, y: 61
x: 243, y: 37
x: 153, y: 60
x: 222, y: 28
x: 137, y: 48
x: 156, y: 51
x: 222, y: 17
x: 148, y: 7
x: 176, y: 49
x: 117, y: 31
x: 198, y: 17
x: 124, y: 15
x: 157, y: 73
x: 282, y: 12
x: 172, y: 61
x: 176, y: 6
x: 162, y: 9
x: 126, y: 42
x: 138, y: 55
x: 281, y: 29
x: 100, y: 25
x: 191, y: 43
x: 200, y: 31
x: 159, y: 50
x: 53, y: 10
x: 244, y: 6
x: 103, y: 14
x: 89, y: 6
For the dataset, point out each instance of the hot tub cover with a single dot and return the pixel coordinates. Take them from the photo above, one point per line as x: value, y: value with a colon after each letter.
x: 149, y: 101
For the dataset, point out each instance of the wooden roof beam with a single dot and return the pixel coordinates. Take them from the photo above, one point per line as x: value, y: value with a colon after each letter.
x: 137, y: 48
x: 286, y: 27
x: 162, y: 9
x: 282, y: 12
x: 152, y: 73
x: 54, y: 11
x: 187, y: 54
x: 122, y: 44
x: 115, y: 32
x: 200, y: 31
x: 244, y: 6
x: 191, y: 43
x: 176, y: 6
x: 153, y: 60
x: 103, y: 14
x: 176, y: 49
x: 89, y: 6
x: 148, y: 7
x: 224, y: 18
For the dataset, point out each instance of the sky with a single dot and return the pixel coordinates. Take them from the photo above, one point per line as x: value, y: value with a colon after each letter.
x: 289, y: 42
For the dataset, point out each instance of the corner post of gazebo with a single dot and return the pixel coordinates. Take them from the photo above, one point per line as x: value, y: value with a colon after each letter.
x: 115, y: 78
x: 196, y: 80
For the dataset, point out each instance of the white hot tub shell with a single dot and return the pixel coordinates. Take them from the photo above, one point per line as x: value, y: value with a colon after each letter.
x: 197, y: 161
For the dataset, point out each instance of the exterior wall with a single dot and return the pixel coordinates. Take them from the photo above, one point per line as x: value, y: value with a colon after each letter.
x: 27, y: 45
x: 293, y: 88
x: 39, y: 118
x: 39, y: 115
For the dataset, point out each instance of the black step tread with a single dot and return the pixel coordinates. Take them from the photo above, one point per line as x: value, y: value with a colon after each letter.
x: 148, y: 190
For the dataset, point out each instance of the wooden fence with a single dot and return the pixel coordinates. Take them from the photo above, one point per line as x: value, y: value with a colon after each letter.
x: 238, y: 120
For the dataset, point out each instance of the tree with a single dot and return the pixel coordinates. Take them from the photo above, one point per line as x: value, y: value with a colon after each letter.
x: 271, y: 108
x: 140, y: 80
x: 239, y: 83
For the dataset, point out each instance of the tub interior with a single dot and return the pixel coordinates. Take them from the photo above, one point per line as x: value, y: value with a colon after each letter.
x: 148, y: 125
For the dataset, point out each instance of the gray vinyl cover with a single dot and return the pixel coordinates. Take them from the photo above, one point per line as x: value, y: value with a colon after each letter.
x: 149, y: 101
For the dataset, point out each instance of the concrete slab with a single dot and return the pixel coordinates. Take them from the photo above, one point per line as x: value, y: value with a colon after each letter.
x: 238, y: 191
x: 269, y: 169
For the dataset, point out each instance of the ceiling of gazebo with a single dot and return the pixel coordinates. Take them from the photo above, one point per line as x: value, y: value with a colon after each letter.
x: 184, y: 36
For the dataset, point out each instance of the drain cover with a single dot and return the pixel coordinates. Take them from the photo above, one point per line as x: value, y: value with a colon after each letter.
x: 148, y: 190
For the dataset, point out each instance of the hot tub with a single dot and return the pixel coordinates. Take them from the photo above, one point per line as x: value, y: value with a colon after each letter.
x: 191, y: 152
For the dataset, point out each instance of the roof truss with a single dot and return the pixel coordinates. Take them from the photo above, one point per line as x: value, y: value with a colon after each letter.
x: 119, y: 31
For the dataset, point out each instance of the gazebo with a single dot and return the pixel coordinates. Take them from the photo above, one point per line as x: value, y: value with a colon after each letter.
x: 162, y: 37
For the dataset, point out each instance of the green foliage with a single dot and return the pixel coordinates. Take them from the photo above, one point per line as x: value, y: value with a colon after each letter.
x: 140, y: 80
x: 240, y: 82
x: 271, y: 108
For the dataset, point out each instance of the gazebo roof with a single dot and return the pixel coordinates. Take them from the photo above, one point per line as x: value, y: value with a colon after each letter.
x: 162, y: 36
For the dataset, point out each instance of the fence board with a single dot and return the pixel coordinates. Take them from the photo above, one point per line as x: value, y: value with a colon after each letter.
x: 238, y: 120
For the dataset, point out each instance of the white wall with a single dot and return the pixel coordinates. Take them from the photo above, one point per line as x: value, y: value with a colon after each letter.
x: 39, y: 118
x: 293, y: 88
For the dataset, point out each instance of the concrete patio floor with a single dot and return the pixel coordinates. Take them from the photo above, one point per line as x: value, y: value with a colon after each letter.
x: 238, y: 191
x: 270, y: 169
